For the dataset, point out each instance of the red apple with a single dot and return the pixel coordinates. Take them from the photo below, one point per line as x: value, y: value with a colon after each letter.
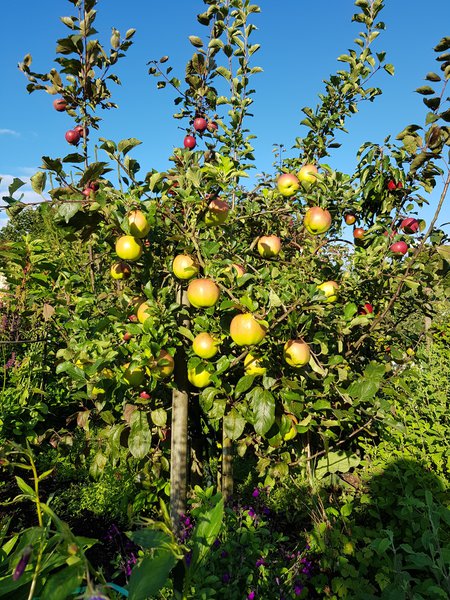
x: 72, y: 136
x: 59, y: 104
x: 190, y: 142
x: 200, y: 124
x: 127, y: 336
x: 400, y: 248
x: 366, y: 309
x: 94, y: 185
x: 358, y: 233
x: 391, y: 185
x: 410, y: 225
x: 82, y: 130
x: 350, y: 218
x: 144, y: 396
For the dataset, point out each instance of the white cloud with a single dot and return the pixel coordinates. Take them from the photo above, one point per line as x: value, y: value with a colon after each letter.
x: 9, y: 132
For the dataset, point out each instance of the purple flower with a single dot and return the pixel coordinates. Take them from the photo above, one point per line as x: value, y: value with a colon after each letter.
x: 260, y: 562
x: 255, y: 493
x: 251, y: 595
x: 251, y: 512
x: 226, y: 577
x: 298, y: 589
x: 224, y: 554
x: 22, y: 564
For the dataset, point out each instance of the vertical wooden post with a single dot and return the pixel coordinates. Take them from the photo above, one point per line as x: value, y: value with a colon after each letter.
x: 179, y: 432
x: 227, y: 481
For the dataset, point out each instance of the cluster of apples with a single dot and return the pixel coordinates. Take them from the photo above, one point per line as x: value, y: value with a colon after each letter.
x: 200, y: 125
x: 73, y: 136
x: 317, y: 220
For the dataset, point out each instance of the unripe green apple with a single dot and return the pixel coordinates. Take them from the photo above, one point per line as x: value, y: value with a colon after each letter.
x: 134, y: 376
x: 199, y: 377
x: 120, y: 270
x: 165, y: 364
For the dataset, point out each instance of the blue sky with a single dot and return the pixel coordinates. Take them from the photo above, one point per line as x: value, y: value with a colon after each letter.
x: 300, y: 42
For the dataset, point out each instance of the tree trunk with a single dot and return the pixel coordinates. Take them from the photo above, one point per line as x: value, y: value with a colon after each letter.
x: 179, y: 432
x: 227, y: 467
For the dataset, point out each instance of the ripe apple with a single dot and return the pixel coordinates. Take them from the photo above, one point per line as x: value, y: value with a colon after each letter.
x: 94, y: 185
x: 144, y: 312
x: 288, y: 184
x: 330, y: 289
x: 217, y: 212
x: 350, y: 218
x: 203, y: 293
x: 238, y: 269
x: 134, y: 376
x: 189, y: 142
x: 212, y: 126
x: 204, y: 345
x: 184, y: 267
x: 269, y: 246
x: 366, y: 309
x: 296, y: 353
x: 87, y: 192
x: 133, y: 318
x: 307, y: 175
x: 253, y: 365
x: 290, y: 435
x: 358, y: 233
x: 200, y: 124
x: 128, y: 248
x: 410, y: 225
x: 120, y: 270
x: 246, y: 331
x: 144, y: 396
x: 139, y: 226
x: 199, y: 377
x: 399, y: 248
x: 391, y: 185
x: 317, y: 220
x: 127, y: 336
x: 72, y: 136
x: 59, y: 104
x: 82, y: 130
x: 165, y: 364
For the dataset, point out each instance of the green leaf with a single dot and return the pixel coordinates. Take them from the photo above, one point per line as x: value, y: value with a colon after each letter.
x: 233, y: 424
x: 443, y: 45
x: 390, y: 69
x: 205, y: 534
x: 159, y: 417
x: 140, y: 439
x: 432, y: 76
x: 444, y: 251
x: 263, y: 408
x: 128, y: 144
x: 224, y: 73
x: 425, y: 90
x: 67, y: 210
x: 336, y: 462
x: 38, y: 182
x: 432, y: 103
x: 63, y: 584
x: 244, y: 384
x: 25, y: 488
x: 150, y: 575
x: 196, y: 41
x: 151, y: 539
x: 187, y: 333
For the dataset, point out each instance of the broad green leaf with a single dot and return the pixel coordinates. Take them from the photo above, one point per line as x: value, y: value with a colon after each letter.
x: 233, y: 424
x: 205, y: 534
x: 38, y: 182
x: 140, y: 439
x: 126, y: 145
x: 63, y: 584
x: 263, y: 409
x: 150, y: 575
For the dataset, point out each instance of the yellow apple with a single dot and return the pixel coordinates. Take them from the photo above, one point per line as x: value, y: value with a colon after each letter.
x: 296, y: 353
x: 288, y: 184
x: 307, y: 175
x: 203, y: 293
x: 246, y: 331
x: 330, y: 289
x: 217, y: 212
x: 204, y: 345
x: 120, y: 270
x: 317, y: 220
x: 199, y: 377
x: 128, y: 248
x: 165, y: 364
x: 134, y: 376
x: 269, y: 246
x: 253, y: 365
x: 138, y: 224
x: 184, y: 266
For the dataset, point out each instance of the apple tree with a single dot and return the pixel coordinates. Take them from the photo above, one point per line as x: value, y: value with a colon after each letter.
x: 218, y: 313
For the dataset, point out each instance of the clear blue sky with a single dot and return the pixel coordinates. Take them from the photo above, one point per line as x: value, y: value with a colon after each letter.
x: 300, y: 42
